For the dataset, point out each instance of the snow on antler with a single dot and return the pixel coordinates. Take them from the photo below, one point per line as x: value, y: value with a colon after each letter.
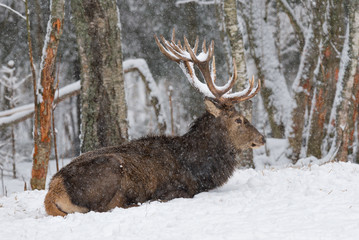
x: 187, y: 58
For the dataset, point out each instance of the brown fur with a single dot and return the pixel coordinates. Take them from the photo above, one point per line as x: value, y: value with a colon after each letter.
x: 154, y: 168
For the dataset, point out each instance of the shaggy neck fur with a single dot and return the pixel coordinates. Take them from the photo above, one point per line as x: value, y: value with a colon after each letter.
x: 206, y: 153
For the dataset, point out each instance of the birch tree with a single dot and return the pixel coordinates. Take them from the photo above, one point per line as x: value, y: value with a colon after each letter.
x: 237, y: 51
x: 331, y: 39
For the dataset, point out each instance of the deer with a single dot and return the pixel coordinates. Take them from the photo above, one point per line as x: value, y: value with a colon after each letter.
x: 161, y: 168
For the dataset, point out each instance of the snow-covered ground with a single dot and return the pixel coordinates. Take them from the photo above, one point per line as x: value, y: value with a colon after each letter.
x: 309, y: 202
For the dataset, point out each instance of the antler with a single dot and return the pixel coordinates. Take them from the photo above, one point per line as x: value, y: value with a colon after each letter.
x: 187, y: 57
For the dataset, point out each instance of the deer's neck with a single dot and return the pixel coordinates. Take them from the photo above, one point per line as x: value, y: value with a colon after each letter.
x: 207, y: 153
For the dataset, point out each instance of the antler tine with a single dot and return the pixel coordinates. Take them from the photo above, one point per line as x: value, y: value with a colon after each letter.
x: 187, y: 58
x: 232, y: 80
x: 177, y: 47
x: 229, y: 85
x: 210, y: 51
x: 173, y: 39
x: 204, y: 46
x: 252, y: 94
x: 259, y: 85
x: 251, y: 84
x: 249, y: 93
x: 196, y: 45
x: 164, y: 52
x: 180, y: 45
x: 214, y: 69
x: 174, y: 50
x: 189, y: 49
x: 234, y: 75
x: 204, y: 68
x: 209, y: 76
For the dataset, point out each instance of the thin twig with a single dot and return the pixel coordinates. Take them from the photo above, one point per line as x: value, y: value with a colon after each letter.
x: 170, y: 92
x: 2, y: 181
x: 32, y: 67
x: 53, y: 118
x: 297, y: 26
x: 12, y: 10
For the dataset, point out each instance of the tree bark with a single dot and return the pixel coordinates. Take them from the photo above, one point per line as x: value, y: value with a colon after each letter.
x: 219, y: 12
x: 237, y: 47
x: 328, y: 73
x: 302, y: 90
x: 354, y: 135
x: 236, y: 42
x: 192, y: 22
x: 42, y: 139
x: 348, y: 108
x: 104, y: 111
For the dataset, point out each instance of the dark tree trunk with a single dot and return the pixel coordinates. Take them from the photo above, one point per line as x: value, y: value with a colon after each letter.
x: 104, y: 111
x: 325, y: 85
x: 348, y: 108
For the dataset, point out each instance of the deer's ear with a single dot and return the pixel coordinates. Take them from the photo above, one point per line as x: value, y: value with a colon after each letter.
x: 212, y: 107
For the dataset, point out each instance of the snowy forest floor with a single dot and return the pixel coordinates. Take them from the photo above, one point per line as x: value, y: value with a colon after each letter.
x: 286, y: 202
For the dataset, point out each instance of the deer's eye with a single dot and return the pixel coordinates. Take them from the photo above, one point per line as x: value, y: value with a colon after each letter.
x: 238, y: 120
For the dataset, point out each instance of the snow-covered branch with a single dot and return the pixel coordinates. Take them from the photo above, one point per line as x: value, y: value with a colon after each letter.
x: 12, y: 10
x: 140, y: 65
x: 19, y: 114
x: 297, y: 25
x: 200, y: 2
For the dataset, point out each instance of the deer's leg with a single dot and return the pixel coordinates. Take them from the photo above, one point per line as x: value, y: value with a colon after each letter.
x: 118, y: 200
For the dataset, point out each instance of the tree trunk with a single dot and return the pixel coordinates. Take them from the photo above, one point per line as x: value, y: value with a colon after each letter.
x: 237, y: 47
x: 219, y: 11
x: 104, y: 111
x: 302, y: 89
x: 236, y: 42
x: 328, y: 73
x: 192, y: 22
x: 42, y: 138
x: 348, y: 108
x: 354, y: 121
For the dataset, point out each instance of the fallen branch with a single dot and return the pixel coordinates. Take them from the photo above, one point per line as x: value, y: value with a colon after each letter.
x: 19, y: 114
x: 140, y: 65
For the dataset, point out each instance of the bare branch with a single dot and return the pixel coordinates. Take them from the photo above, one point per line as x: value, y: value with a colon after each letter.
x: 297, y: 26
x: 12, y: 10
x: 199, y: 2
x: 140, y: 66
x: 19, y: 114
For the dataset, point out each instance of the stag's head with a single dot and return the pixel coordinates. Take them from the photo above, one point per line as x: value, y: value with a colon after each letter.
x: 219, y: 100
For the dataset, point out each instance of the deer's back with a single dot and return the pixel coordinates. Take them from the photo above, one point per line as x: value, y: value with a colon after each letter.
x: 143, y: 170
